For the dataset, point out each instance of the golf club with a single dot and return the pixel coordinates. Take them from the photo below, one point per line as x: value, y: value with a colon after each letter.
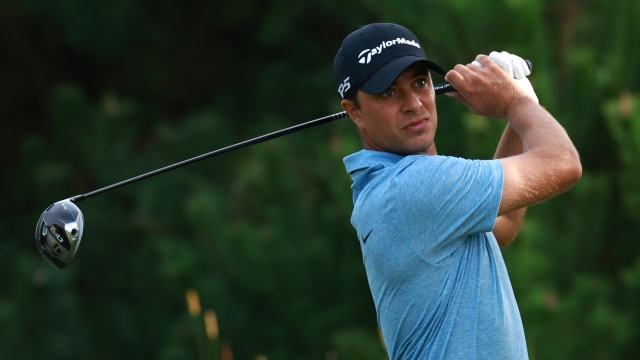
x: 60, y: 227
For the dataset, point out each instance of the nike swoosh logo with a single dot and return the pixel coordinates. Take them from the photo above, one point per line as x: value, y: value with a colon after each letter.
x: 364, y: 239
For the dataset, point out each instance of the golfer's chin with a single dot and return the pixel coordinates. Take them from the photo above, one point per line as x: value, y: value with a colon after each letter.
x: 423, y: 150
x: 419, y: 145
x: 425, y: 147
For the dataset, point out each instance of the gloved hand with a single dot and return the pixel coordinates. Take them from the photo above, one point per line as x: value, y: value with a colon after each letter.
x: 514, y: 66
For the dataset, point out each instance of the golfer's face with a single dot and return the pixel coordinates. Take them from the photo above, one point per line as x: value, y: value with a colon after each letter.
x: 403, y: 119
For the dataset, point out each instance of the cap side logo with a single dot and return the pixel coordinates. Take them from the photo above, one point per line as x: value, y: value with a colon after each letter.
x: 385, y: 44
x: 344, y: 87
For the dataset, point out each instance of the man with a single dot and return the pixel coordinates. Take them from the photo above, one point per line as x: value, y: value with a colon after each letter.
x: 430, y: 225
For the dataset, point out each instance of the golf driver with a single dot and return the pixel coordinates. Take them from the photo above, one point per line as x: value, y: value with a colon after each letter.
x: 60, y: 227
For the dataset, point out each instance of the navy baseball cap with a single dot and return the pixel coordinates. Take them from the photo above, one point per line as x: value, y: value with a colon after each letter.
x: 373, y: 57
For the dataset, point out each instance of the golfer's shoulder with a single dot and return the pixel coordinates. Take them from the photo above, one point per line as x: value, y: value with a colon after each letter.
x: 429, y: 175
x: 440, y: 167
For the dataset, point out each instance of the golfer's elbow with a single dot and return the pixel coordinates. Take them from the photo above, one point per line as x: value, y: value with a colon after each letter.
x: 571, y: 169
x: 576, y: 172
x: 506, y: 241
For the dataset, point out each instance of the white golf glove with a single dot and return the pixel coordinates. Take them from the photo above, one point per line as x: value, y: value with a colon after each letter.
x: 515, y: 66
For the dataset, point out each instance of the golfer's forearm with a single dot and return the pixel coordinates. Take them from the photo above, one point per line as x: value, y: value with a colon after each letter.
x: 549, y: 164
x: 509, y: 145
x: 542, y: 136
x: 507, y: 226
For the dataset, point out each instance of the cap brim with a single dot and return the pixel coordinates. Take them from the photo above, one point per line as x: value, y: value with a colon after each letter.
x: 382, y: 79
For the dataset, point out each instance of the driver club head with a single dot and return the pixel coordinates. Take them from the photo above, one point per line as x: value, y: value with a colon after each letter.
x: 59, y: 232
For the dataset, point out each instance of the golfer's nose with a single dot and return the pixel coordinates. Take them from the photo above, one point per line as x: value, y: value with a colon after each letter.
x: 411, y: 102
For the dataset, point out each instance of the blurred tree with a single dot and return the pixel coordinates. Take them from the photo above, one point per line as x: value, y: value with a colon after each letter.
x: 97, y: 92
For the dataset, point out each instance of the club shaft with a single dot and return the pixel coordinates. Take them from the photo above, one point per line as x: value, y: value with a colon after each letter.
x: 257, y: 140
x: 439, y: 89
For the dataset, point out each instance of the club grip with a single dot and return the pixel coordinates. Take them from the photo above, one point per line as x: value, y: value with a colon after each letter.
x: 443, y: 88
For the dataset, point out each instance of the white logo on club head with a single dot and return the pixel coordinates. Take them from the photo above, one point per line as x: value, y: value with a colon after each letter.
x: 385, y: 44
x: 344, y: 87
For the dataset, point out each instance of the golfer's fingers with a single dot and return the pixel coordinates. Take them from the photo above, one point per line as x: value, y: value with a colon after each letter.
x: 454, y: 78
x: 475, y: 65
x: 520, y: 68
x: 458, y: 77
x: 503, y: 61
x: 484, y: 60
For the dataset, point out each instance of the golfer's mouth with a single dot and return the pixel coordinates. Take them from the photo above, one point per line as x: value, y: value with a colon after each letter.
x: 417, y: 125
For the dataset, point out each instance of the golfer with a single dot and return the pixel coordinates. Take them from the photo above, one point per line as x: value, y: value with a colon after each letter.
x: 430, y: 226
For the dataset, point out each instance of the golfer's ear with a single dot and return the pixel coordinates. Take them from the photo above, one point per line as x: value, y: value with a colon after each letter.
x: 352, y: 111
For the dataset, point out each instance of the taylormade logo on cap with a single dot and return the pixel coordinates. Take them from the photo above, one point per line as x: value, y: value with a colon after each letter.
x: 385, y: 44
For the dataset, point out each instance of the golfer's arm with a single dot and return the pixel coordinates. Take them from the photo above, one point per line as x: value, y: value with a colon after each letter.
x: 507, y: 225
x: 549, y: 164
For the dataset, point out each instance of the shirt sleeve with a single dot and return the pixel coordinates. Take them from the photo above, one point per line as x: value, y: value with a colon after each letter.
x: 440, y: 201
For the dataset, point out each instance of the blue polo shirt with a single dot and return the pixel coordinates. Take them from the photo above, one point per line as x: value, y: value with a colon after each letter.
x: 436, y: 274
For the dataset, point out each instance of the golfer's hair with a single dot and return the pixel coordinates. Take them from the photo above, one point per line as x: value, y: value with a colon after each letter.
x: 356, y: 102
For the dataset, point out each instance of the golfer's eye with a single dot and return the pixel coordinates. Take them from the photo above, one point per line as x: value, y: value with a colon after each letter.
x: 388, y: 93
x: 421, y: 83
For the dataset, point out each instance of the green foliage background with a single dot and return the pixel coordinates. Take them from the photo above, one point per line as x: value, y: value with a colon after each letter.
x: 94, y: 92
